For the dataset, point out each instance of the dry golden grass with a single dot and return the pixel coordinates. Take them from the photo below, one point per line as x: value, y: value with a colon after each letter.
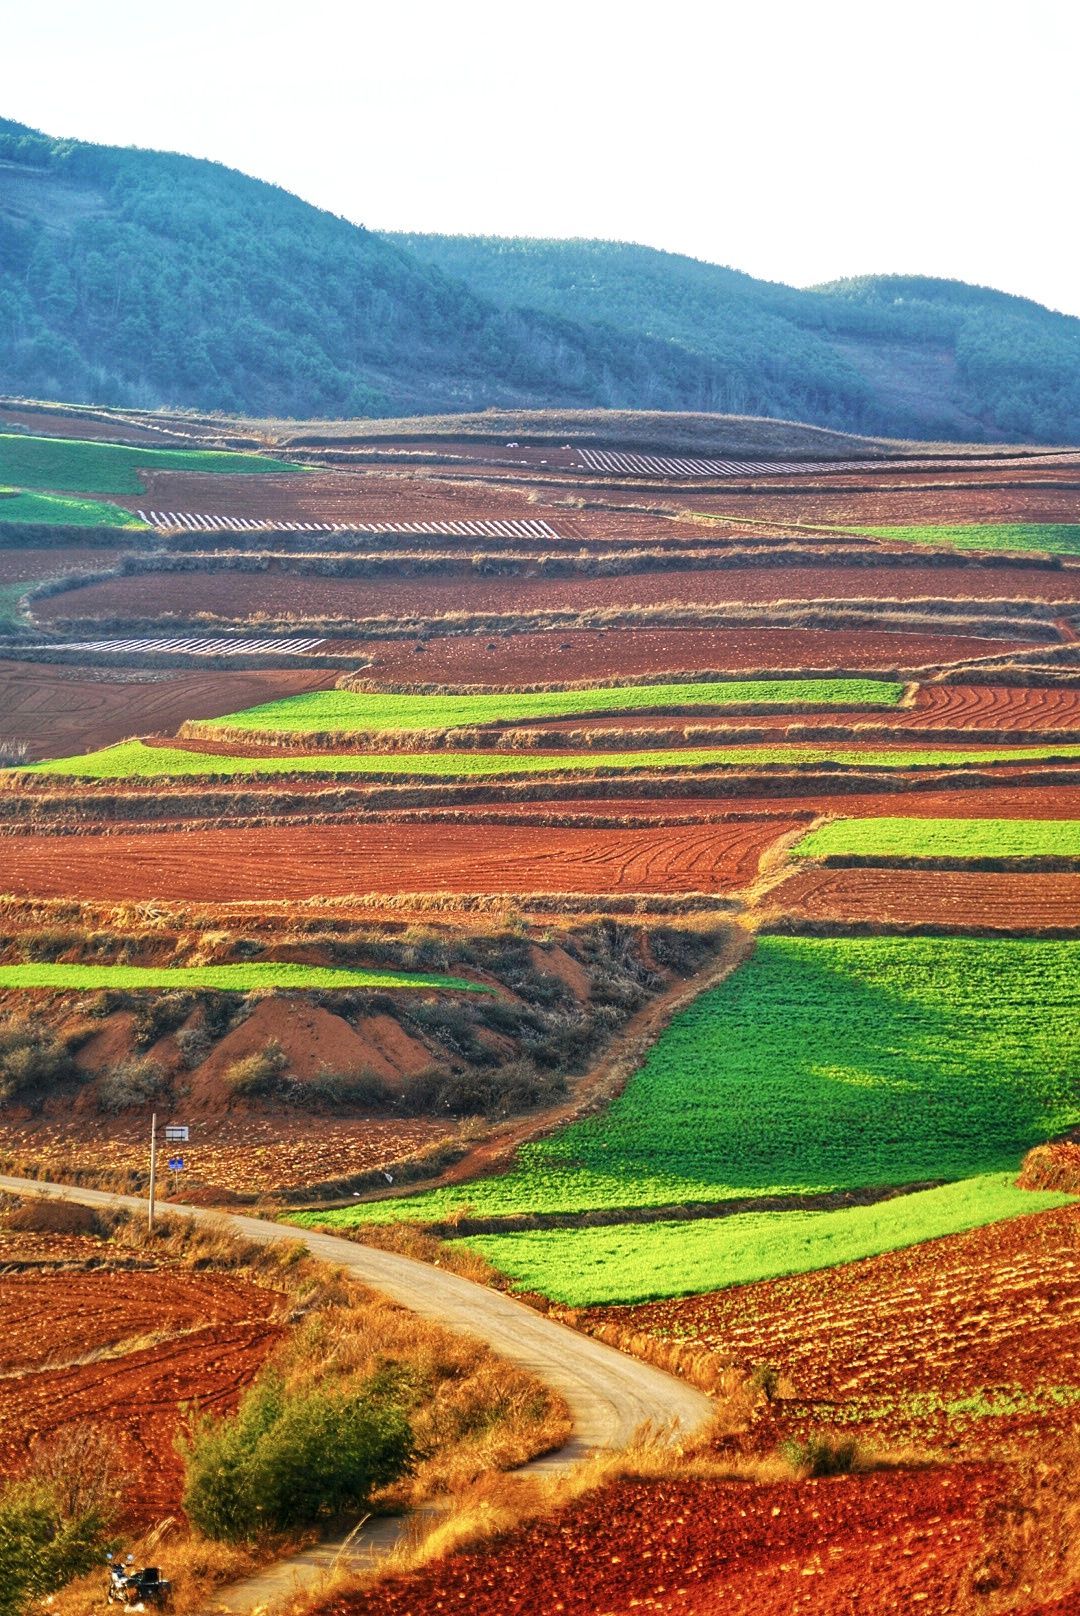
x: 1031, y: 1538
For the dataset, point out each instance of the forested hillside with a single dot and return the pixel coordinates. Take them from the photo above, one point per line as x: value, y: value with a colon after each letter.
x: 893, y: 354
x: 144, y: 278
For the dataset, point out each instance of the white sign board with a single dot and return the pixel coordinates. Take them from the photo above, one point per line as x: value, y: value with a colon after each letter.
x: 175, y: 1134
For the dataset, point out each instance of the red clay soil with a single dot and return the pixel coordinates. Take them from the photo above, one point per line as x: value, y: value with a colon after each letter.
x: 52, y: 424
x: 282, y: 594
x: 348, y: 496
x: 24, y: 565
x: 59, y: 710
x: 85, y: 1326
x: 966, y: 1345
x: 975, y: 499
x: 578, y: 655
x: 1012, y: 801
x: 338, y: 860
x: 239, y: 1154
x: 1001, y: 899
x: 854, y: 1546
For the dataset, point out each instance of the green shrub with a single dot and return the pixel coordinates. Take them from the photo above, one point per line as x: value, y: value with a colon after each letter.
x: 54, y: 1520
x: 824, y: 1455
x: 284, y: 1462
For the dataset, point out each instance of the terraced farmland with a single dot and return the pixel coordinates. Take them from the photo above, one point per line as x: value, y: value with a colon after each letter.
x: 893, y: 838
x: 820, y: 1065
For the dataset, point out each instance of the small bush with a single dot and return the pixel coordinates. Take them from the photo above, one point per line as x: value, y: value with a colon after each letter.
x: 32, y: 1060
x: 257, y: 1074
x: 824, y: 1455
x: 284, y: 1462
x: 55, y: 1519
x: 135, y: 1081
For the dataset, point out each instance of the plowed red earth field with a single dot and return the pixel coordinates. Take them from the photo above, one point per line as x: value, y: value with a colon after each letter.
x: 336, y: 860
x: 57, y: 710
x: 25, y: 564
x: 930, y: 897
x: 856, y: 1546
x: 577, y: 655
x: 969, y: 1344
x: 68, y: 1357
x: 245, y: 1154
x: 244, y: 595
x: 394, y: 496
x: 941, y: 501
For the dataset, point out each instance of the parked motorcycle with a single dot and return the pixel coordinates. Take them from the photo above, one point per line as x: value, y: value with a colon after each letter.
x: 136, y: 1589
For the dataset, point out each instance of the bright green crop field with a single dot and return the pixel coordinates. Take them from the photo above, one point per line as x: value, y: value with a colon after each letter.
x: 51, y: 510
x: 636, y: 1262
x: 821, y: 1064
x: 324, y: 711
x: 245, y: 978
x: 133, y: 759
x: 1058, y: 538
x: 87, y: 467
x: 943, y: 838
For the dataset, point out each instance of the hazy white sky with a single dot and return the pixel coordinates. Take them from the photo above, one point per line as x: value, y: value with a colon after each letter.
x: 797, y: 141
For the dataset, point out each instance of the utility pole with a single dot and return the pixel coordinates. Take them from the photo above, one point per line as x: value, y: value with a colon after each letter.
x: 153, y: 1168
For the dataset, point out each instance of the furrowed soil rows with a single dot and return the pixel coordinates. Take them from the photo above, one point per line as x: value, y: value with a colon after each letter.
x: 235, y: 595
x: 53, y: 708
x: 247, y: 1155
x: 25, y: 563
x: 216, y: 1335
x: 995, y: 898
x: 944, y: 498
x: 853, y: 1546
x: 967, y: 1343
x: 579, y: 654
x: 338, y: 860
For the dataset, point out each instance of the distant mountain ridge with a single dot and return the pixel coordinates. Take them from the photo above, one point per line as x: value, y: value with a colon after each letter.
x: 149, y: 279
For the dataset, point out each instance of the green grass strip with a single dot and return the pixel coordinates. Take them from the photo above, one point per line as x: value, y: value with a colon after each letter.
x: 244, y: 978
x: 1055, y: 538
x: 943, y: 838
x: 88, y: 467
x: 642, y: 1262
x: 134, y: 759
x: 822, y: 1064
x: 51, y: 510
x: 322, y: 711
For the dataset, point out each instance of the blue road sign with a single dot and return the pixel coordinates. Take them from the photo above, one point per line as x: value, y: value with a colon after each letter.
x: 176, y: 1164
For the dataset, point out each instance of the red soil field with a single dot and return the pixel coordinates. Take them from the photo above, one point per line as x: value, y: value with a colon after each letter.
x: 1001, y: 899
x: 337, y: 860
x: 942, y: 500
x: 59, y: 710
x: 245, y: 1155
x: 379, y: 495
x: 994, y: 801
x: 578, y: 655
x: 855, y: 1546
x: 889, y: 1346
x: 217, y: 1334
x: 277, y: 593
x: 51, y: 424
x: 26, y: 564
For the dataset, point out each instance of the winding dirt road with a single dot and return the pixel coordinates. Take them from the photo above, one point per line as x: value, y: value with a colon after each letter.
x: 609, y: 1394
